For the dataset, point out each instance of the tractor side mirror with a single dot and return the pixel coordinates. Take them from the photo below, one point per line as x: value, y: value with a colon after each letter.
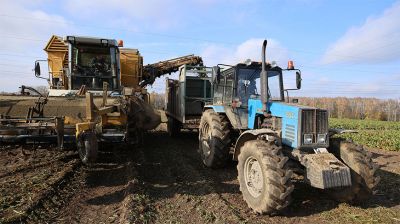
x: 216, y: 74
x: 37, y: 69
x: 298, y: 80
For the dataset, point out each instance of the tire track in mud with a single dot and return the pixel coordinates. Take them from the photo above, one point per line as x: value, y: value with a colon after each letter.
x: 180, y: 187
x: 53, y: 187
x: 29, y: 178
x: 106, y: 190
x: 32, y: 166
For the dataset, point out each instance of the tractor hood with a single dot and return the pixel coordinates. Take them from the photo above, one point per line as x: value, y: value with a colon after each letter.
x: 296, y: 122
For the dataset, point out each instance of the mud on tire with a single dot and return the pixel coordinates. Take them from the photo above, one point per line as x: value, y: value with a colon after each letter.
x: 87, y: 147
x: 214, y: 139
x: 265, y: 180
x: 363, y: 171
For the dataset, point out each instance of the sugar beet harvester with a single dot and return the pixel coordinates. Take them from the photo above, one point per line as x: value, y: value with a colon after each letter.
x: 96, y: 93
x: 250, y: 121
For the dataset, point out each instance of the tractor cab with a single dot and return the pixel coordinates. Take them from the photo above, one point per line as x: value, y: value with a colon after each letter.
x: 236, y: 85
x: 238, y: 90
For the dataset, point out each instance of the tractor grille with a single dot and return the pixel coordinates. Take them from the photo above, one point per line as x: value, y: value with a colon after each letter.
x: 314, y: 121
x: 290, y: 132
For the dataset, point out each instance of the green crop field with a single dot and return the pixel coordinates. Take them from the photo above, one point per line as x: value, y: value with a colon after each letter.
x: 376, y: 134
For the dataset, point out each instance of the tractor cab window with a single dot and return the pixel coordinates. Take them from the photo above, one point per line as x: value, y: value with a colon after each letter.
x: 223, y: 92
x: 249, y: 84
x: 91, y: 66
x: 274, y: 84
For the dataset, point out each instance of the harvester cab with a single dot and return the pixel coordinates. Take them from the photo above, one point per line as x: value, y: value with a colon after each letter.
x: 250, y: 121
x: 81, y: 62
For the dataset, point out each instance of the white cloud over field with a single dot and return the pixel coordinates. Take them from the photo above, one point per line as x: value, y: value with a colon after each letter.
x: 250, y: 49
x: 214, y: 54
x: 377, y: 40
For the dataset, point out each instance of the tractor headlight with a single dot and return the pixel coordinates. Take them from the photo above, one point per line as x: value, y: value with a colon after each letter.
x: 308, y: 139
x: 321, y: 139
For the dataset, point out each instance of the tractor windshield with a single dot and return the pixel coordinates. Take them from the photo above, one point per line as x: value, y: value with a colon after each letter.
x: 91, y: 66
x: 249, y: 85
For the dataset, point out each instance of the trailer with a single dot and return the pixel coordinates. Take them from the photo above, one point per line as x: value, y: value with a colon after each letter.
x: 186, y: 97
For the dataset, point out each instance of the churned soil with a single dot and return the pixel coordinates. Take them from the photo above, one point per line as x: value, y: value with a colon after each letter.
x: 164, y: 181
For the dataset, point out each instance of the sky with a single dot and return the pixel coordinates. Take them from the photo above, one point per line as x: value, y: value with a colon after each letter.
x: 343, y: 47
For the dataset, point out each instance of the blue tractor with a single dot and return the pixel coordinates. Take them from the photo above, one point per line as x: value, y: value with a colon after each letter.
x: 250, y: 122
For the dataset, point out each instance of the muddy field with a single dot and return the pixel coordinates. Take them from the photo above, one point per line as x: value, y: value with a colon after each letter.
x: 163, y: 182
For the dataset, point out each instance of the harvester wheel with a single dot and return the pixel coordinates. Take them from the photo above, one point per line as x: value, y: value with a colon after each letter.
x: 214, y: 139
x: 87, y: 147
x: 264, y: 177
x: 173, y: 127
x: 363, y: 171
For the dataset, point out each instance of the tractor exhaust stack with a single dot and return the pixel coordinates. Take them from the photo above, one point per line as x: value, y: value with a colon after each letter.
x: 264, y: 79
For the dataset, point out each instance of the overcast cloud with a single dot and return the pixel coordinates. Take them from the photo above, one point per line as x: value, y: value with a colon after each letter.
x: 377, y: 40
x: 22, y: 39
x: 249, y: 49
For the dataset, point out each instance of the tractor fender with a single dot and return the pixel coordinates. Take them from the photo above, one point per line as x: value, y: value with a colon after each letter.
x: 250, y: 135
x: 234, y: 118
x: 217, y: 108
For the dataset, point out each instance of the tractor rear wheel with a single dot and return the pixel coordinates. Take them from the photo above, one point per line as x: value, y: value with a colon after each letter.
x: 87, y: 147
x: 363, y: 171
x: 173, y: 127
x: 214, y: 139
x: 264, y: 177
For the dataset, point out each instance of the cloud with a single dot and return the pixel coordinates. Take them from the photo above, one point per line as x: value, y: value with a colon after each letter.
x: 24, y: 32
x: 153, y: 15
x: 214, y: 54
x: 377, y: 40
x: 325, y: 85
x: 128, y: 14
x: 30, y: 25
x: 250, y: 49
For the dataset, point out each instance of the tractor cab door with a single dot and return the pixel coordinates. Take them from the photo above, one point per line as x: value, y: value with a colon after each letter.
x: 226, y: 93
x: 248, y: 84
x: 224, y: 88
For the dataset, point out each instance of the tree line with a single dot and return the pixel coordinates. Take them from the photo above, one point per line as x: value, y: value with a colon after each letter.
x: 356, y: 108
x: 338, y: 107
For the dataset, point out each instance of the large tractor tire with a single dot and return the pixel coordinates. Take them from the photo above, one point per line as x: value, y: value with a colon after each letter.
x: 363, y: 171
x: 214, y: 139
x: 173, y: 127
x: 87, y: 147
x: 264, y: 177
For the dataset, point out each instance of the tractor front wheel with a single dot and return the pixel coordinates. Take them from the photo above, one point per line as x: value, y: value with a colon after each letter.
x: 363, y: 171
x: 264, y: 178
x: 87, y: 147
